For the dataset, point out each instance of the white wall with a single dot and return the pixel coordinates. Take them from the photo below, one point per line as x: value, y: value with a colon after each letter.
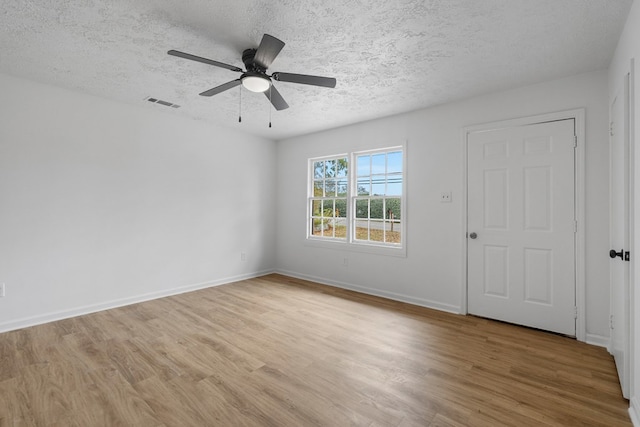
x: 103, y: 203
x: 629, y: 48
x: 431, y: 274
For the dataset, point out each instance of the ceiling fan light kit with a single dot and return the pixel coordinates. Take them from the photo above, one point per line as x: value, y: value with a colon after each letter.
x: 255, y: 77
x: 255, y: 82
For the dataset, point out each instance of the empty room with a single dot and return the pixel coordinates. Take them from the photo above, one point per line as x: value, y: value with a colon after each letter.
x: 382, y: 213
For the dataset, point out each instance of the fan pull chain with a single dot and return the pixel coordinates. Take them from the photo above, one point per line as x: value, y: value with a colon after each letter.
x: 240, y: 106
x: 270, y: 104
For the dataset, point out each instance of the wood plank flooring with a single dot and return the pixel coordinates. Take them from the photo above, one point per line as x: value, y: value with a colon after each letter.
x: 276, y: 351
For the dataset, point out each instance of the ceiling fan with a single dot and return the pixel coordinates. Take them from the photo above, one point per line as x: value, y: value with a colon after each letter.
x: 255, y: 77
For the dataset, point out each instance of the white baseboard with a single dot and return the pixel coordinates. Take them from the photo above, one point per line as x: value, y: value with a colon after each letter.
x: 26, y: 322
x: 598, y: 340
x: 634, y: 411
x: 593, y: 339
x: 375, y: 292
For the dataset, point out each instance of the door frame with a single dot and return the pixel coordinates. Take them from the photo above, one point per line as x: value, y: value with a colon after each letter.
x: 634, y: 409
x: 580, y: 265
x: 627, y: 97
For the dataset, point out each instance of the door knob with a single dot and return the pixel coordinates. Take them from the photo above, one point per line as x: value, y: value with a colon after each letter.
x: 614, y: 254
x: 473, y: 235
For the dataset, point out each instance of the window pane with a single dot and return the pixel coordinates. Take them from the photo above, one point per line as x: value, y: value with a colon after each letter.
x: 342, y: 187
x: 325, y: 228
x: 330, y: 188
x: 317, y: 189
x: 377, y: 186
x: 327, y: 208
x: 330, y: 168
x: 377, y: 163
x: 316, y: 207
x: 394, y: 162
x: 341, y: 208
x: 394, y: 185
x: 362, y: 230
x: 341, y: 167
x: 318, y: 169
x: 364, y: 186
x: 340, y: 227
x: 393, y: 232
x: 362, y: 209
x: 393, y: 209
x: 317, y: 226
x: 332, y: 227
x: 364, y: 168
x: 376, y: 231
x: 377, y: 209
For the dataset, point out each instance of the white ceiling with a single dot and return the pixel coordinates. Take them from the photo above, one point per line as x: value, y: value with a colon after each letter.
x: 388, y: 56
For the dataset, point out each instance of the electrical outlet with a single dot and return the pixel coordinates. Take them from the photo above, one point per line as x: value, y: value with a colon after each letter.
x: 445, y: 197
x: 2, y: 290
x: 243, y: 256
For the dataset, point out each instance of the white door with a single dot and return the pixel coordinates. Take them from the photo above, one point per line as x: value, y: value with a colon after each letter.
x: 521, y: 225
x: 619, y: 191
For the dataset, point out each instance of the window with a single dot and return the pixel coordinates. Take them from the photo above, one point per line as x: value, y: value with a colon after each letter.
x: 377, y: 204
x: 357, y: 199
x: 329, y: 198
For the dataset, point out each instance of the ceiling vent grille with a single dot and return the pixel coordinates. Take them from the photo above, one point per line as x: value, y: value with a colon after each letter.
x: 161, y: 102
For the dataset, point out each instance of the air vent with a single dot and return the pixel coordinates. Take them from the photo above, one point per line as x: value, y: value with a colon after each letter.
x: 161, y: 102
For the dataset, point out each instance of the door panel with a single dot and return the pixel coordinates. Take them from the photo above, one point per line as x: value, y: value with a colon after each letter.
x: 521, y: 205
x: 538, y: 275
x: 496, y: 270
x: 495, y: 199
x: 537, y: 198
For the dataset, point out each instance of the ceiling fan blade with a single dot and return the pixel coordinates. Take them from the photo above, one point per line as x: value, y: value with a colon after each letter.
x: 305, y: 79
x: 269, y: 48
x: 204, y: 60
x: 216, y: 90
x: 276, y: 99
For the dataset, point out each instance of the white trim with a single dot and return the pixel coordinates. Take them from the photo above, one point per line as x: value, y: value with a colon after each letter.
x: 581, y: 264
x: 634, y: 389
x: 464, y: 308
x: 340, y: 245
x: 578, y: 115
x: 26, y: 322
x: 634, y: 411
x: 598, y: 340
x: 375, y: 292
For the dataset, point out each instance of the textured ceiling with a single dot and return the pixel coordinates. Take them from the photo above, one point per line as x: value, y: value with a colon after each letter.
x: 388, y: 56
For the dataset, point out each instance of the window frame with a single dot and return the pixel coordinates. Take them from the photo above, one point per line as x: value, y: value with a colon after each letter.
x: 350, y: 243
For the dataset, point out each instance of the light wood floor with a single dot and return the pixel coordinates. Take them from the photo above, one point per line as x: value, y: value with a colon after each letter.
x: 276, y: 351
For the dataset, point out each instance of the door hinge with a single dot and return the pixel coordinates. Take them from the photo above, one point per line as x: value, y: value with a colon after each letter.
x: 611, y: 129
x: 575, y: 312
x: 575, y: 225
x: 611, y: 326
x: 575, y: 141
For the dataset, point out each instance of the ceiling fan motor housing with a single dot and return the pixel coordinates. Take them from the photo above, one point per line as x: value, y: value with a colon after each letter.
x: 247, y: 58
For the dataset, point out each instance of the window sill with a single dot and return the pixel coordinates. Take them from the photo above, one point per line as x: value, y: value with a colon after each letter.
x: 337, y: 245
